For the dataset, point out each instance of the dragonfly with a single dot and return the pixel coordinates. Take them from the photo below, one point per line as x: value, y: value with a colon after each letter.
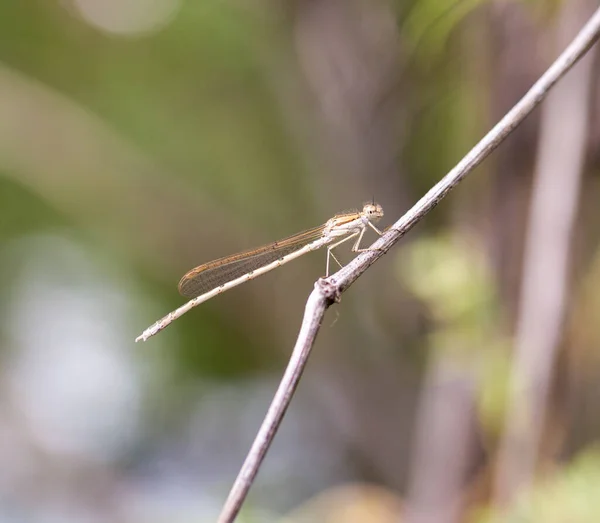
x: 213, y: 278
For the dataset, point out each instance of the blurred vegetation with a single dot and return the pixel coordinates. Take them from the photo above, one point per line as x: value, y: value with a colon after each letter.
x: 130, y: 153
x: 568, y: 495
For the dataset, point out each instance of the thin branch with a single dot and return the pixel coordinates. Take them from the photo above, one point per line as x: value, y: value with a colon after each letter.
x: 319, y: 300
x: 328, y: 291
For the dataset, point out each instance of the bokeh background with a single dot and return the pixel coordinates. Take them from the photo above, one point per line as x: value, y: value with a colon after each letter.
x: 459, y: 377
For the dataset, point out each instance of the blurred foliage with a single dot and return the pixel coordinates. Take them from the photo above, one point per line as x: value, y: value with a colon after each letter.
x: 25, y: 212
x: 451, y: 276
x: 194, y: 96
x: 216, y: 131
x: 430, y: 24
x: 350, y: 504
x: 571, y: 493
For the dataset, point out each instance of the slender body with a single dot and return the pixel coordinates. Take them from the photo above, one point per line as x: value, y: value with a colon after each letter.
x: 213, y: 278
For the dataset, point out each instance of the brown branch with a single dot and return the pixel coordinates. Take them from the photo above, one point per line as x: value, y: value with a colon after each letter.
x: 328, y: 291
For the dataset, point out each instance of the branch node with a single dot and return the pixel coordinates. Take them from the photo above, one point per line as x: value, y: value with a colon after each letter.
x: 329, y: 290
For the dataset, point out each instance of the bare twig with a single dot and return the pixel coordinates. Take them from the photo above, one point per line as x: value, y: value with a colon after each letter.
x: 319, y: 300
x: 328, y: 291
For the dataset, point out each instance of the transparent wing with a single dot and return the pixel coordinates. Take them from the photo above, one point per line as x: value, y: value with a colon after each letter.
x: 213, y: 274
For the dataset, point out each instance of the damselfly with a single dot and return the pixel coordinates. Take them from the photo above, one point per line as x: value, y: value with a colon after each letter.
x: 213, y: 278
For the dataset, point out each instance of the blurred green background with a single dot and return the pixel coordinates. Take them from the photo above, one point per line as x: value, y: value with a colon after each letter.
x: 140, y: 138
